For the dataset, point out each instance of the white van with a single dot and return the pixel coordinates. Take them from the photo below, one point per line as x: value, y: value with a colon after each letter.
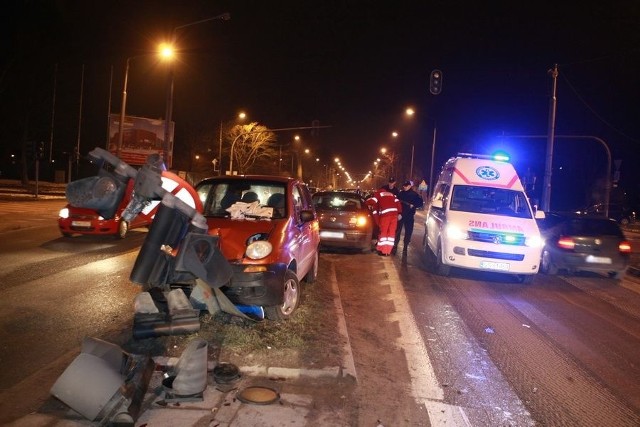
x: 480, y: 218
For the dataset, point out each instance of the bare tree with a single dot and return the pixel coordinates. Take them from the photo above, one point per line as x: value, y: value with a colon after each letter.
x: 251, y: 143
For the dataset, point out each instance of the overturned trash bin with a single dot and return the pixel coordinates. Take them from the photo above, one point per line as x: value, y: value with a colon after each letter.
x: 103, y: 382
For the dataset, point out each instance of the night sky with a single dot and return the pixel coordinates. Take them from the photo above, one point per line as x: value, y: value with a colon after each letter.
x: 352, y: 66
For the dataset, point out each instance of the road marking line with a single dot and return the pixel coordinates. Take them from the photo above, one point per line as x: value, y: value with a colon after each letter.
x: 425, y: 387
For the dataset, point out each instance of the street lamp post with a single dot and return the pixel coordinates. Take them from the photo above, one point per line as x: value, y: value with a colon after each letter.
x: 169, y: 107
x: 433, y: 152
x: 241, y: 116
x: 122, y: 109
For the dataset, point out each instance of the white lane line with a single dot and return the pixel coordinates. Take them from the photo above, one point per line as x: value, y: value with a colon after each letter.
x: 425, y: 387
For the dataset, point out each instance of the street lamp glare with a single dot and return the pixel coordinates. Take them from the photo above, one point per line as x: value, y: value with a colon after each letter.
x: 409, y: 111
x: 166, y: 51
x: 394, y: 134
x: 242, y: 115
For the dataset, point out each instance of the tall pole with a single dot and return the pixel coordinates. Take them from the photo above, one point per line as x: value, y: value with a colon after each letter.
x: 411, y: 168
x: 80, y: 120
x: 220, y: 152
x: 122, y: 109
x: 166, y: 144
x: 53, y: 112
x: 433, y: 152
x: 546, y: 190
x: 106, y: 145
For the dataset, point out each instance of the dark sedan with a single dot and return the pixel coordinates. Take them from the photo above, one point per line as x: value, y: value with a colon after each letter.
x: 583, y: 243
x: 345, y: 221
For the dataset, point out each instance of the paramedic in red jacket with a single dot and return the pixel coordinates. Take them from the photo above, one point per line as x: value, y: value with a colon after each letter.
x: 386, y: 210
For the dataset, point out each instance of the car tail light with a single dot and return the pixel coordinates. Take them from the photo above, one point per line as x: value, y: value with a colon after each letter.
x: 361, y: 221
x: 566, y: 243
x: 624, y: 247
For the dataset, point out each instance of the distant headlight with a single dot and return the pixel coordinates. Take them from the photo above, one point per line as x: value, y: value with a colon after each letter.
x: 534, y: 242
x: 64, y: 213
x: 454, y: 232
x: 258, y: 249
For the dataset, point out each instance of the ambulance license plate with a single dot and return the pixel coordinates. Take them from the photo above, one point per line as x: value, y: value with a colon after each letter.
x: 491, y: 265
x: 81, y: 223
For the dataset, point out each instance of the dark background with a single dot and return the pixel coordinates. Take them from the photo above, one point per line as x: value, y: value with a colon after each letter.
x: 354, y: 66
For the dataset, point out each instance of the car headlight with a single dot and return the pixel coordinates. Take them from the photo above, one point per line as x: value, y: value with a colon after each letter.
x: 64, y: 213
x: 361, y: 221
x: 258, y: 249
x: 534, y: 242
x: 457, y: 233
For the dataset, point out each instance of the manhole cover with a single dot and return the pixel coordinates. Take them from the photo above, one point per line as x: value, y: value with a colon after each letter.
x: 225, y: 373
x: 258, y: 395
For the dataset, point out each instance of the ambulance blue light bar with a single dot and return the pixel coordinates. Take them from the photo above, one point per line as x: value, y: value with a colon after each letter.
x: 499, y: 156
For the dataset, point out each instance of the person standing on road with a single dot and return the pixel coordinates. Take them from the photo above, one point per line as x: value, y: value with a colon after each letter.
x: 386, y: 210
x: 391, y: 187
x: 410, y: 201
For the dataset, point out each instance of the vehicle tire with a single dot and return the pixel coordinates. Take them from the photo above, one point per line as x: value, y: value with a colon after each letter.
x: 441, y: 268
x: 123, y: 227
x: 526, y: 278
x: 617, y: 275
x: 425, y: 246
x: 66, y: 234
x: 291, y: 300
x: 546, y: 265
x: 312, y: 275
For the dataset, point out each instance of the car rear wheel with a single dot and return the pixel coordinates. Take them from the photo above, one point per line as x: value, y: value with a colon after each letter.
x: 291, y: 299
x: 123, y: 227
x: 546, y: 265
x: 617, y: 275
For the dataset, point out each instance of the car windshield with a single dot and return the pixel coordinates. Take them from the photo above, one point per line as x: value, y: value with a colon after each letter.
x: 490, y: 200
x: 243, y: 198
x: 340, y: 201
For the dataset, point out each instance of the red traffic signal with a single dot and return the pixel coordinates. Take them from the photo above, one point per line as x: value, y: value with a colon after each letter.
x: 435, y: 82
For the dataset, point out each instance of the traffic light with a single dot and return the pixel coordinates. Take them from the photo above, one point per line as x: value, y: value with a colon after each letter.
x: 41, y: 150
x: 435, y: 82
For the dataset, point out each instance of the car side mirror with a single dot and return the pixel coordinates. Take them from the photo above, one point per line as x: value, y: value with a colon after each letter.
x: 437, y: 204
x: 539, y: 215
x: 307, y: 215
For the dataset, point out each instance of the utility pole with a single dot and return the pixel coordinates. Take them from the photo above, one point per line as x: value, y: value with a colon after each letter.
x: 546, y: 190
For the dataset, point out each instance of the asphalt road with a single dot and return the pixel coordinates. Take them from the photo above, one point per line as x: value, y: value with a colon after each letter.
x: 470, y: 349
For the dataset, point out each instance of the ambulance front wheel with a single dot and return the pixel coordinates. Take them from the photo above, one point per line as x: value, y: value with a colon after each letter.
x: 441, y: 268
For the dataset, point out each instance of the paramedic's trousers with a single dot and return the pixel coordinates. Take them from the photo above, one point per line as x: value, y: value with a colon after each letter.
x: 387, y: 236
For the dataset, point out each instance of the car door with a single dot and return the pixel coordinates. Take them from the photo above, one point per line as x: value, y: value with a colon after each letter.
x: 305, y: 244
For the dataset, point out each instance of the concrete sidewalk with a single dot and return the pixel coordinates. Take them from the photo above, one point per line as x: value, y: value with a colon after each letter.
x: 304, y: 397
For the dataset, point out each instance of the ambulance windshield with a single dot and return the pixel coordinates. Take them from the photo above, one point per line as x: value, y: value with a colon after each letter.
x: 490, y: 200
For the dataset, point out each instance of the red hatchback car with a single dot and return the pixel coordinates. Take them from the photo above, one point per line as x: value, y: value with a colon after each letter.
x: 269, y: 233
x: 81, y: 220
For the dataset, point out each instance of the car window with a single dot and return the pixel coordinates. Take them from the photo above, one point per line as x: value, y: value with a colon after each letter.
x: 219, y: 195
x: 591, y: 227
x: 339, y: 201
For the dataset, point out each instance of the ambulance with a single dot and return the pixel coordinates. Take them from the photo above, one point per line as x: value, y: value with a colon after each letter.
x: 480, y: 219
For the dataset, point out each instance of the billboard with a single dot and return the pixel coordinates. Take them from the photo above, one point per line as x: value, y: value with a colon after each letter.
x: 140, y: 138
